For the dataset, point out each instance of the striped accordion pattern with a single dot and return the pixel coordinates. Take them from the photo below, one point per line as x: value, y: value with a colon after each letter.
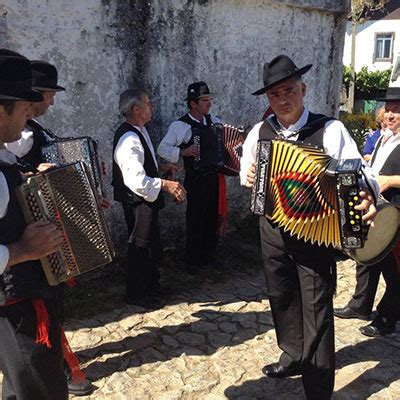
x: 306, y: 192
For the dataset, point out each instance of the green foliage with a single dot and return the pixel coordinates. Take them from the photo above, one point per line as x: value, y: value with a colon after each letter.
x: 346, y: 76
x: 358, y: 126
x: 369, y: 81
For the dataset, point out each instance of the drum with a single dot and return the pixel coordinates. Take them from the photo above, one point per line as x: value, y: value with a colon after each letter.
x: 381, y: 238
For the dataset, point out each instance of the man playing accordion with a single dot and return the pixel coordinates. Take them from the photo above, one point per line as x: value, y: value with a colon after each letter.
x: 202, y: 188
x: 31, y: 355
x: 300, y: 276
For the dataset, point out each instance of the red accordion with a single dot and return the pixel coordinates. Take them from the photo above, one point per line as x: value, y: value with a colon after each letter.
x: 219, y: 148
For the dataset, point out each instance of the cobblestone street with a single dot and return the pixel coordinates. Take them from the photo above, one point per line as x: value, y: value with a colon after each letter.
x: 211, y: 343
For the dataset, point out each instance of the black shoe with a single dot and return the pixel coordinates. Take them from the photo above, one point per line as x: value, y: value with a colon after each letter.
x: 378, y: 327
x: 81, y: 388
x: 347, y: 312
x: 276, y: 370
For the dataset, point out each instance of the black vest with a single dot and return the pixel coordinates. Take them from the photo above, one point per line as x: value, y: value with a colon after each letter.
x: 188, y: 162
x: 41, y: 137
x: 390, y: 167
x: 310, y: 133
x: 25, y: 280
x: 121, y: 192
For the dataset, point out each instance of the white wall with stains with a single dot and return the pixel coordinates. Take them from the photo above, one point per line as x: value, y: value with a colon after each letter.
x: 101, y: 47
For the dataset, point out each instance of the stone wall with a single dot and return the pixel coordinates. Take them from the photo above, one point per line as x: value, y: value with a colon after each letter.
x: 101, y: 47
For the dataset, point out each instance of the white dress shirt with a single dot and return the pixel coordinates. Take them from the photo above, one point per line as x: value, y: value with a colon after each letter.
x: 22, y: 146
x: 8, y: 158
x: 178, y: 133
x: 129, y: 156
x: 336, y: 140
x: 383, y: 150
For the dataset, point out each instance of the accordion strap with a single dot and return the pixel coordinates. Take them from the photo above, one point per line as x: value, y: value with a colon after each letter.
x: 35, y: 125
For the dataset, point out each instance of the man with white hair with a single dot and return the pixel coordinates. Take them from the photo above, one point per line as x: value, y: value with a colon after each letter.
x: 138, y: 187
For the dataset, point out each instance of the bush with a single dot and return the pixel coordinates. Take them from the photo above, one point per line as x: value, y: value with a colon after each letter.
x: 367, y: 81
x: 358, y: 126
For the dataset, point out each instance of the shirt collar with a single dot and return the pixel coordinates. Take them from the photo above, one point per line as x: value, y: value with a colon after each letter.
x: 297, y: 125
x: 7, y: 157
x: 195, y: 119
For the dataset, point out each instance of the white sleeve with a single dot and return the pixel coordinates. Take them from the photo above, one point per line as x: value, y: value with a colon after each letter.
x: 4, y: 199
x: 178, y: 132
x: 4, y: 257
x: 249, y: 152
x: 22, y: 146
x: 339, y: 144
x: 129, y: 156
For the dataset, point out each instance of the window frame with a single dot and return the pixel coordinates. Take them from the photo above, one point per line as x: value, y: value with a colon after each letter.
x: 390, y: 58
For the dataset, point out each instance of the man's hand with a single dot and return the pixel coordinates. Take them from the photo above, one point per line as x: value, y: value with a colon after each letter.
x: 367, y: 205
x: 384, y: 181
x: 39, y: 239
x: 251, y: 175
x: 190, y: 151
x: 45, y: 166
x: 175, y: 189
x: 169, y: 170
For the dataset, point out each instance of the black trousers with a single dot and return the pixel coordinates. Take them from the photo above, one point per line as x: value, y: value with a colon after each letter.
x: 31, y: 371
x: 300, y: 283
x: 367, y: 284
x: 201, y: 217
x: 143, y: 248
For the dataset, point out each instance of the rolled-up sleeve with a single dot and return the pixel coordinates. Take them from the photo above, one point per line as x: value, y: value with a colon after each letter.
x: 129, y: 156
x: 339, y: 144
x: 4, y: 199
x: 249, y: 152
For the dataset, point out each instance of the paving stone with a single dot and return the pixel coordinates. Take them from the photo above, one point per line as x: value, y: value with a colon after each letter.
x: 210, y: 344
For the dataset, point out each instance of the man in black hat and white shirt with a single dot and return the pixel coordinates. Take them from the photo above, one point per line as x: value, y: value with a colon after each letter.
x: 34, y: 136
x: 31, y: 356
x: 385, y: 163
x: 300, y: 277
x: 28, y: 151
x: 202, y: 189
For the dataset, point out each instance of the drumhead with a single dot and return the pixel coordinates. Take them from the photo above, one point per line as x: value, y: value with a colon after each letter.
x: 381, y: 238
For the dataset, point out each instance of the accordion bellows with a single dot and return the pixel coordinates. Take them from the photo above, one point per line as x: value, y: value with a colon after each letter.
x: 66, y: 196
x: 301, y: 199
x: 295, y: 191
x: 71, y: 150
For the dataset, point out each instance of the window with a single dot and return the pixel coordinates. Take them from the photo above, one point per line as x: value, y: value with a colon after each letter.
x: 383, y: 46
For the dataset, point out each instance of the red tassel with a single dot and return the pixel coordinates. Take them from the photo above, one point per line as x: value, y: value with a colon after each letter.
x: 77, y: 374
x: 396, y: 253
x: 43, y: 323
x: 71, y: 282
x: 222, y: 206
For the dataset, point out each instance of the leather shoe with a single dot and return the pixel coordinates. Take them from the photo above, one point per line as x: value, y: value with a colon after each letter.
x: 378, y: 327
x: 81, y: 388
x: 347, y: 312
x: 276, y: 370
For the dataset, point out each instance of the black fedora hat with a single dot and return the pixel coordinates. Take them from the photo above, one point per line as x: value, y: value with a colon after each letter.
x: 391, y: 94
x: 278, y: 70
x: 16, y: 78
x: 44, y: 76
x: 197, y: 90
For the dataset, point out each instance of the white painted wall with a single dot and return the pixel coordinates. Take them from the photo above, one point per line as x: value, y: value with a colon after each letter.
x: 365, y: 43
x: 101, y: 47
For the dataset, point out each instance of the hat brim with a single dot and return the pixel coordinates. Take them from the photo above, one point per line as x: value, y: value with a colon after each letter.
x: 50, y: 89
x: 297, y: 72
x: 197, y: 98
x: 33, y: 96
